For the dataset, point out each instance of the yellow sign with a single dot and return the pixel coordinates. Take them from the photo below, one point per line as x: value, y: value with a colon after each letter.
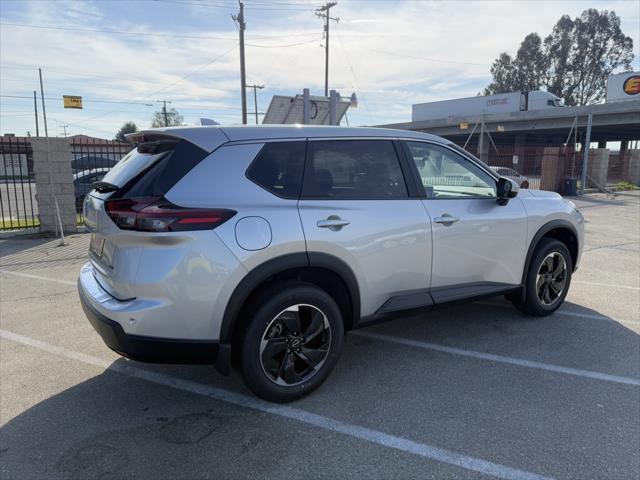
x: 464, y: 126
x: 632, y: 85
x: 71, y: 101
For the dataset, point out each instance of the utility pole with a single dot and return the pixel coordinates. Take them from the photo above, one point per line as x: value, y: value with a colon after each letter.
x: 239, y: 19
x: 35, y: 109
x: 64, y: 127
x: 164, y: 111
x: 255, y: 97
x: 323, y: 12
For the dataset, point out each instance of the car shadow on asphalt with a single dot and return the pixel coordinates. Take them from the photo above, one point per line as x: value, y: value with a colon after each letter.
x: 118, y: 424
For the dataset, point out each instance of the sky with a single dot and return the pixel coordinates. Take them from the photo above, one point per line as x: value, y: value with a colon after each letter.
x: 124, y: 56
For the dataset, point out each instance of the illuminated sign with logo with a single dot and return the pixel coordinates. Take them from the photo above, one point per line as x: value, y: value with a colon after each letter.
x: 631, y: 85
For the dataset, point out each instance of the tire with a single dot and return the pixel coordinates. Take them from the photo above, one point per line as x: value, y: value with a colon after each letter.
x: 281, y: 365
x: 545, y: 293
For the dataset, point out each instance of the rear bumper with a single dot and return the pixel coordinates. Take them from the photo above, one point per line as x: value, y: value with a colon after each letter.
x: 147, y: 349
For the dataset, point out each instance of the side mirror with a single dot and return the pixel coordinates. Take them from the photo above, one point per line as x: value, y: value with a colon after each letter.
x: 506, y: 189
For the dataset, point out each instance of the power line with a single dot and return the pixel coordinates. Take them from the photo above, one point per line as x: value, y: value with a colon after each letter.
x: 186, y: 105
x: 173, y: 83
x: 261, y: 6
x: 132, y: 102
x: 353, y: 75
x: 283, y: 46
x: 119, y: 32
x: 414, y: 57
x: 193, y: 72
x: 146, y: 34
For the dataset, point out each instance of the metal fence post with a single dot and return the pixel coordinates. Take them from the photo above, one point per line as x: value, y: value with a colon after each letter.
x: 585, y: 161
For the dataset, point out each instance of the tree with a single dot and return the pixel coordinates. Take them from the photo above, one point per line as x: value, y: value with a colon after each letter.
x: 127, y: 127
x: 174, y: 119
x: 573, y: 62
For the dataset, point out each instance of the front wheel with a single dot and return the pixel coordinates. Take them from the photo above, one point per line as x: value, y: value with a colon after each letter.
x: 548, y: 279
x: 292, y: 341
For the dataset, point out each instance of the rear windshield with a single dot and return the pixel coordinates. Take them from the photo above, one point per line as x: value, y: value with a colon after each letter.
x: 153, y: 174
x: 129, y: 166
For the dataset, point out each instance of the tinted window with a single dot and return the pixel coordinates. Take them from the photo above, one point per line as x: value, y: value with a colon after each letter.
x: 356, y: 169
x: 155, y: 177
x: 445, y: 174
x: 278, y: 168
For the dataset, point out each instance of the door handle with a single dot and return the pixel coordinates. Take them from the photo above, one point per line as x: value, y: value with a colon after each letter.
x: 333, y: 223
x: 446, y: 219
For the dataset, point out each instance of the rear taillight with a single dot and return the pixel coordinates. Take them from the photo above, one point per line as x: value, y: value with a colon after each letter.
x: 160, y: 215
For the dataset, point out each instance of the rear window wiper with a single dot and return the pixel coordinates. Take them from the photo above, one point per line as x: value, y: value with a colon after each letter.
x: 104, y: 187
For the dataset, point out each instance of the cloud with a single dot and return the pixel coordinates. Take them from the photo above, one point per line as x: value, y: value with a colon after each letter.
x: 392, y: 54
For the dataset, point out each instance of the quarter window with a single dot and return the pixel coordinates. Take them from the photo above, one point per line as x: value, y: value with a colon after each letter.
x: 353, y: 169
x: 446, y: 174
x: 278, y: 168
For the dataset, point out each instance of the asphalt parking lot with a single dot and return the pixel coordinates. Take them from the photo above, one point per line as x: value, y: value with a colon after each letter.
x: 469, y: 391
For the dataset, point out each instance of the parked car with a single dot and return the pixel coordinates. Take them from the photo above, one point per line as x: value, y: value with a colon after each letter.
x: 82, y: 182
x: 88, y: 162
x: 259, y: 247
x: 517, y: 177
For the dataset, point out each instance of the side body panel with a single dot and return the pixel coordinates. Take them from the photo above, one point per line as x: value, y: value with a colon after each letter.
x: 487, y: 244
x: 546, y: 207
x: 387, y: 244
x: 219, y: 181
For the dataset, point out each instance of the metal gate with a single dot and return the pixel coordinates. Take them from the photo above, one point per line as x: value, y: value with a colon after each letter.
x: 18, y: 204
x: 91, y: 159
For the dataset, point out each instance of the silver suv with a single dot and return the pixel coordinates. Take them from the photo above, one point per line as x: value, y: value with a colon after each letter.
x: 258, y: 247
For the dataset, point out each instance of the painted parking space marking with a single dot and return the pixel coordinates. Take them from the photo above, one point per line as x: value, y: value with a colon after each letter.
x: 609, y: 285
x: 569, y: 313
x: 37, y: 277
x: 362, y: 433
x: 558, y: 312
x: 499, y: 358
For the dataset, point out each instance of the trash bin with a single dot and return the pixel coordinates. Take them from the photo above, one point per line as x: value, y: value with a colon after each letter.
x: 570, y: 187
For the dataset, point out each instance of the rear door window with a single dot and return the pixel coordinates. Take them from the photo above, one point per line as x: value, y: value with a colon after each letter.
x: 353, y: 169
x: 278, y: 168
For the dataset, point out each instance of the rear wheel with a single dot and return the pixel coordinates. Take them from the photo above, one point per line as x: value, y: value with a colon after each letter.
x: 548, y: 279
x: 292, y: 341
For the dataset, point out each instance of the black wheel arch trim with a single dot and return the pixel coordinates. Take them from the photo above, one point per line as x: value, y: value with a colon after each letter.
x: 272, y: 267
x: 542, y: 231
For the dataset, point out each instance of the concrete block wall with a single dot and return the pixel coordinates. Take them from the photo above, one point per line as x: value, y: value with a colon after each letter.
x: 54, y: 177
x: 634, y: 167
x: 598, y: 168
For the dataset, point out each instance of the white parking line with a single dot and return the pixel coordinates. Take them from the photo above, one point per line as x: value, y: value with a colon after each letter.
x: 499, y: 358
x: 374, y: 436
x: 558, y: 312
x: 37, y: 277
x: 569, y: 313
x: 611, y: 285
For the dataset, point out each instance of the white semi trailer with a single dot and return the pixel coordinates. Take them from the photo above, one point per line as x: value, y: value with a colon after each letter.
x: 476, y: 106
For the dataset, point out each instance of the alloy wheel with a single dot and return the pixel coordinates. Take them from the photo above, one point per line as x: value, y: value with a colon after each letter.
x: 551, y: 278
x: 295, y: 345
